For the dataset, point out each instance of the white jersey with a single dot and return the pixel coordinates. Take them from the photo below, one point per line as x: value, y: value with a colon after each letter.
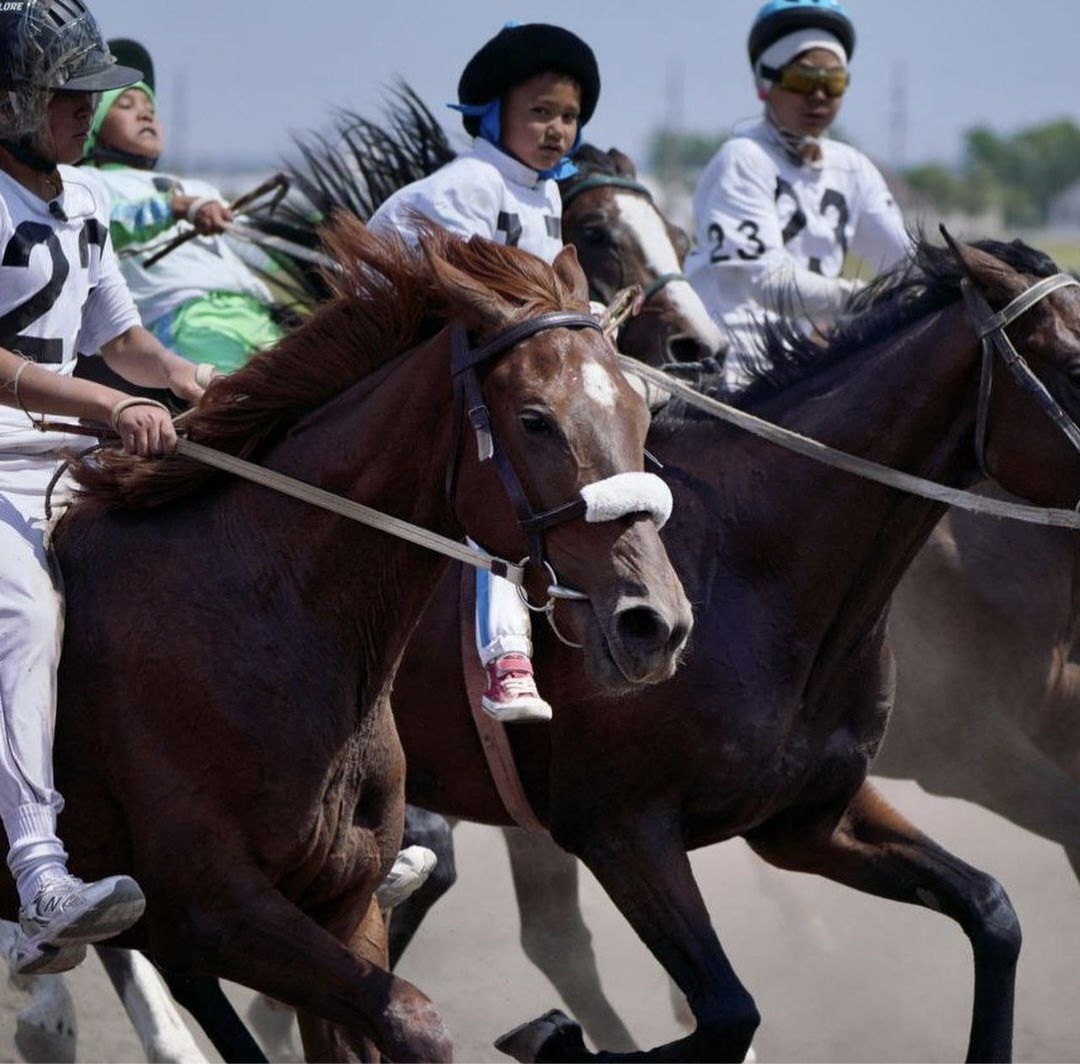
x: 61, y: 291
x: 483, y: 192
x: 773, y: 234
x: 142, y: 221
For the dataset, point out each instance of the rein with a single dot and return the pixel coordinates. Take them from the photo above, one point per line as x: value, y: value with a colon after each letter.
x: 987, y: 325
x: 602, y: 500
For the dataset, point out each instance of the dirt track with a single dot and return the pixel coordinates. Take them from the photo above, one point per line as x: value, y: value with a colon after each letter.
x: 837, y: 976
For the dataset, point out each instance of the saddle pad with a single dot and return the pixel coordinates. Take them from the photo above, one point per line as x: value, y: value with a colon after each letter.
x: 500, y: 757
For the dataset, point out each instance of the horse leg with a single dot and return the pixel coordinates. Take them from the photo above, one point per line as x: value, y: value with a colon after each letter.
x: 203, y: 997
x: 162, y: 1033
x: 553, y: 932
x: 428, y: 829
x: 645, y: 870
x: 46, y: 1030
x: 324, y: 1040
x: 874, y: 849
x: 256, y: 937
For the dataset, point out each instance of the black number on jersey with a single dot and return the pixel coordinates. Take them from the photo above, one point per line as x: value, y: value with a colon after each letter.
x: 716, y: 235
x: 749, y: 230
x: 830, y: 200
x: 26, y: 237
x: 835, y: 200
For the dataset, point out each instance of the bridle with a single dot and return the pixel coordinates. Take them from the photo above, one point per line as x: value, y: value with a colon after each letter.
x: 990, y: 329
x: 617, y: 181
x: 607, y: 499
x: 640, y: 492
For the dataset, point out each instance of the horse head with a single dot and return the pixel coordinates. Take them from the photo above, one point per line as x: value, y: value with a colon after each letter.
x: 1028, y: 316
x: 622, y: 239
x: 568, y: 428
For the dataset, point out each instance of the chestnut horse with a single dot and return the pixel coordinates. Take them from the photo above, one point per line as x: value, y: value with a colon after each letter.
x: 768, y: 729
x: 242, y: 762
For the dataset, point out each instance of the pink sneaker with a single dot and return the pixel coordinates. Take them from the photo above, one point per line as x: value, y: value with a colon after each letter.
x: 511, y: 693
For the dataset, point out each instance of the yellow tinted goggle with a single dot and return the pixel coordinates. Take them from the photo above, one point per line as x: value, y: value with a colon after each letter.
x: 805, y: 81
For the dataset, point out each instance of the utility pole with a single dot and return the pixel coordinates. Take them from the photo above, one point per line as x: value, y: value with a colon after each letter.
x: 898, y: 116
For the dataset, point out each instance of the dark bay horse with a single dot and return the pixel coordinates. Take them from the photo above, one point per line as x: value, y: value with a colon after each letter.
x: 768, y: 729
x: 240, y: 758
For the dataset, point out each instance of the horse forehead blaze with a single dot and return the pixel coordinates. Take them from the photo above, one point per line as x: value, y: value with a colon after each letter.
x: 599, y: 385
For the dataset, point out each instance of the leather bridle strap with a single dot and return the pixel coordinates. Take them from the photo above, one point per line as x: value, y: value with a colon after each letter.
x: 990, y: 329
x: 469, y: 401
x: 616, y: 181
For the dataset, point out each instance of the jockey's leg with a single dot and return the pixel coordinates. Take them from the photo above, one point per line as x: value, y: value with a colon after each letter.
x: 59, y: 914
x: 504, y: 642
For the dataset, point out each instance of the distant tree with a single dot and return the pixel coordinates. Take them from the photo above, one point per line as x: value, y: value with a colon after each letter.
x: 1020, y: 173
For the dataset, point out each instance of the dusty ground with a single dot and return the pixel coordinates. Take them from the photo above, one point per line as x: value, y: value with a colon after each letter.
x: 837, y: 976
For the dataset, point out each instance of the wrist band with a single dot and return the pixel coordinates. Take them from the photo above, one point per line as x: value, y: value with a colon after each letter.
x: 133, y: 400
x: 205, y: 372
x: 196, y: 206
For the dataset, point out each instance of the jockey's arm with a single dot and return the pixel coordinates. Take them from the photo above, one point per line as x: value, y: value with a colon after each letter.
x: 138, y: 356
x: 144, y: 429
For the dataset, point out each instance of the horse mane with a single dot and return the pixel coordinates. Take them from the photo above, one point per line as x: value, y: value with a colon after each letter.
x: 387, y: 296
x: 927, y: 280
x: 357, y: 168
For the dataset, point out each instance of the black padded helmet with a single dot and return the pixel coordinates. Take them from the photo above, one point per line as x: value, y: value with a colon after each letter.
x: 517, y: 53
x: 48, y: 46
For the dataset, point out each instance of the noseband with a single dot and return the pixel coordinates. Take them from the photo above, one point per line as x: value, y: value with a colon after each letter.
x: 603, y: 500
x: 616, y: 181
x: 990, y: 329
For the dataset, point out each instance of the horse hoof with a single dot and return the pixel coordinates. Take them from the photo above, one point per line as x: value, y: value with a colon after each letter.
x: 526, y: 1040
x: 39, y: 1042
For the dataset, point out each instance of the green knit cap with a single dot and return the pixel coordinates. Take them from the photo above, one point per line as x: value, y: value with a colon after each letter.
x: 103, y: 108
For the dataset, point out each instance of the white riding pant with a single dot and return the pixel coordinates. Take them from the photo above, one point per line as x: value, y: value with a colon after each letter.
x: 31, y: 631
x: 503, y: 625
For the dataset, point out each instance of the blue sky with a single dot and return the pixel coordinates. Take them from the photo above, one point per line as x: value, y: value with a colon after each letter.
x: 236, y: 77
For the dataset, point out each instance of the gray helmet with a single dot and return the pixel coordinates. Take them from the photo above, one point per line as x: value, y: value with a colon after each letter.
x: 46, y: 46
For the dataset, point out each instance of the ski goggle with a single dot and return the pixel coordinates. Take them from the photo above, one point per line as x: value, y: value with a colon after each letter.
x: 805, y: 80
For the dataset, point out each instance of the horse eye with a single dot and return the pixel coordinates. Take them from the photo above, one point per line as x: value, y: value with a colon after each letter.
x: 1072, y: 371
x: 594, y: 236
x: 536, y: 424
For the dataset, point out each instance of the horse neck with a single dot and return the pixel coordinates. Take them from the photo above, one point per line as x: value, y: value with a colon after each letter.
x: 385, y: 443
x: 831, y: 546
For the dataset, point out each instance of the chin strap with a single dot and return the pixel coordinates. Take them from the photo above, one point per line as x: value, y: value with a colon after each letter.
x: 102, y: 154
x: 28, y: 156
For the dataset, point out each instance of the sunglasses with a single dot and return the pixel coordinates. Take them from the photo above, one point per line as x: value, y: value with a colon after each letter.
x: 805, y: 81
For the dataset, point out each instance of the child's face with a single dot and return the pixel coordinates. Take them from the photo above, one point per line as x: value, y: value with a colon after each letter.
x: 132, y: 126
x: 540, y: 119
x: 69, y: 117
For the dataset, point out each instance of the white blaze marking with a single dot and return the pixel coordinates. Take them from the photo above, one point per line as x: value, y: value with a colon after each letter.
x: 598, y: 385
x: 644, y: 221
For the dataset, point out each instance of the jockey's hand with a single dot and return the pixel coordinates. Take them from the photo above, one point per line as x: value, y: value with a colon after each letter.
x: 184, y: 378
x: 210, y: 218
x: 146, y: 430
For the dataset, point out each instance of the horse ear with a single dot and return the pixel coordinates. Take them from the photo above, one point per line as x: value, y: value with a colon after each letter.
x: 479, y: 306
x: 996, y: 280
x: 624, y: 165
x: 569, y: 273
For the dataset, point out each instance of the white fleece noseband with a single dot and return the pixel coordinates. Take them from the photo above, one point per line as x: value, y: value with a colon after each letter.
x: 627, y: 493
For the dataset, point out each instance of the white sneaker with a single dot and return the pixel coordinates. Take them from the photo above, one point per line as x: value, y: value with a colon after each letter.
x: 67, y: 914
x: 411, y: 868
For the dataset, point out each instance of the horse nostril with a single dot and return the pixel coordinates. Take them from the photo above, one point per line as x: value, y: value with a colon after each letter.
x: 687, y: 349
x: 643, y: 626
